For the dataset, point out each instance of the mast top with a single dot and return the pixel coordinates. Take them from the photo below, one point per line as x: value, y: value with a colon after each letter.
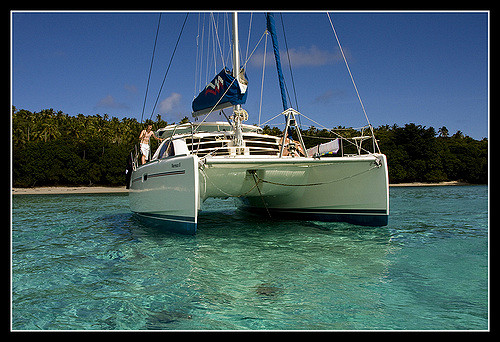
x: 236, y: 46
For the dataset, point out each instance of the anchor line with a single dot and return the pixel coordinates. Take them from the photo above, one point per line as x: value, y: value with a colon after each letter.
x: 226, y: 193
x: 255, y: 178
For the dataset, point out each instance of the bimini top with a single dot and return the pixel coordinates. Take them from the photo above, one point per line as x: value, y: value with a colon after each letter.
x: 207, y: 127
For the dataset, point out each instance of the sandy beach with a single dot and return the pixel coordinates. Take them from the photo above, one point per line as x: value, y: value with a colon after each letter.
x: 49, y: 190
x: 429, y: 184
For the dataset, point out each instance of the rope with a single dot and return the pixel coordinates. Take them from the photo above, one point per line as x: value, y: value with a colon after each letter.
x: 377, y: 165
x: 197, y: 49
x: 169, y: 64
x: 248, y: 38
x: 218, y: 41
x: 258, y: 180
x: 263, y: 69
x: 216, y: 104
x: 352, y: 79
x: 289, y: 64
x: 226, y: 193
x: 341, y: 137
x: 229, y: 87
x: 271, y: 119
x: 255, y: 178
x: 348, y: 69
x: 151, y: 66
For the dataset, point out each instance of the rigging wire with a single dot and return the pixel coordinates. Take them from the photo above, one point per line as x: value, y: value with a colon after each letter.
x: 169, y: 64
x: 213, y: 44
x: 224, y: 94
x: 228, y: 32
x: 347, y: 65
x: 197, y: 50
x: 201, y: 54
x: 151, y: 66
x: 216, y: 28
x: 208, y: 50
x: 263, y: 69
x: 289, y: 63
x: 352, y: 78
x: 248, y: 38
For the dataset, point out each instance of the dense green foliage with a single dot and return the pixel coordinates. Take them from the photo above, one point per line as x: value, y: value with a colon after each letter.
x: 416, y: 154
x: 53, y: 148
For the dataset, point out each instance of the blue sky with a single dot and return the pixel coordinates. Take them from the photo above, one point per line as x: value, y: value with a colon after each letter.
x: 429, y: 68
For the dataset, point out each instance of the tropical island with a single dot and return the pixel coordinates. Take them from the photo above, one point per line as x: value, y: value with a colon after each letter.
x: 51, y: 148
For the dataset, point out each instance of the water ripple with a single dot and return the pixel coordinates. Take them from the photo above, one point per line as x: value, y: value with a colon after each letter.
x: 85, y: 262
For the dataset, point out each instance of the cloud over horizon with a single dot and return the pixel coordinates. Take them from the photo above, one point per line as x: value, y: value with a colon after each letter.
x: 109, y: 102
x: 172, y: 102
x: 311, y: 56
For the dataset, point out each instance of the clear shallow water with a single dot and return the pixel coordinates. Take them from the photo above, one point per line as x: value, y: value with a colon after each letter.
x: 85, y: 262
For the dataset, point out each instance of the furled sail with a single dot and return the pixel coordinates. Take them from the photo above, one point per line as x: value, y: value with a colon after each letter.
x: 271, y: 28
x: 222, y: 92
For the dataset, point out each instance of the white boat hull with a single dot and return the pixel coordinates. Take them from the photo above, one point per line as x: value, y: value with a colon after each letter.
x: 165, y: 193
x: 168, y: 192
x: 273, y: 175
x: 351, y: 189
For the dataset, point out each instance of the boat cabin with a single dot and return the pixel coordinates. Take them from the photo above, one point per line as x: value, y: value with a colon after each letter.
x: 216, y: 139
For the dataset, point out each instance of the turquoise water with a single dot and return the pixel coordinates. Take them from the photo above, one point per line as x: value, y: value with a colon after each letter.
x: 85, y: 262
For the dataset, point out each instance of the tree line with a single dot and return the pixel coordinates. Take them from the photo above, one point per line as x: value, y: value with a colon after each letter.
x: 53, y: 148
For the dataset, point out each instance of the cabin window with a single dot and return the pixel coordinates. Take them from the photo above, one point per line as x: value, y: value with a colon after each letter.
x: 167, y: 149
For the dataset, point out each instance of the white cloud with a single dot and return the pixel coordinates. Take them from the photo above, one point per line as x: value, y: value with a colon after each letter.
x: 312, y: 56
x: 170, y: 103
x: 109, y: 102
x: 130, y: 88
x: 330, y: 94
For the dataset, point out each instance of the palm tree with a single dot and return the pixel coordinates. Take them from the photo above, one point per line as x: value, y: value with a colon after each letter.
x: 458, y: 135
x: 443, y: 132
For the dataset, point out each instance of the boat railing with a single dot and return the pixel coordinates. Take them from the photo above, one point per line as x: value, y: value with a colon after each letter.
x: 351, y: 145
x: 135, y: 156
x: 366, y: 134
x: 351, y: 141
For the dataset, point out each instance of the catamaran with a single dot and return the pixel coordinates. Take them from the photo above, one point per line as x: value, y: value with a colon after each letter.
x: 270, y: 175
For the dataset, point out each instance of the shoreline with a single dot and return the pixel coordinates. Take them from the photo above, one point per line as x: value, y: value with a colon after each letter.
x: 64, y: 190
x: 61, y: 190
x: 449, y: 183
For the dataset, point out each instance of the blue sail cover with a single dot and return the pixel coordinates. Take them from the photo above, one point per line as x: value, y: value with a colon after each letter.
x: 210, y: 96
x: 272, y: 29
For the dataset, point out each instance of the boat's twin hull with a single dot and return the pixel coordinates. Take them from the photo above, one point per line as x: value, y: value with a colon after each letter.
x: 352, y: 189
x: 165, y: 193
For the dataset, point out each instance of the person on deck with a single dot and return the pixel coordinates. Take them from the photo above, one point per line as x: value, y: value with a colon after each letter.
x: 292, y: 148
x: 144, y: 141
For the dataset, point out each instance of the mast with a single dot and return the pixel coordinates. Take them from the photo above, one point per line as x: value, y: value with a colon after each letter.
x: 236, y: 47
x: 237, y: 110
x: 274, y: 37
x: 290, y: 122
x: 225, y: 89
